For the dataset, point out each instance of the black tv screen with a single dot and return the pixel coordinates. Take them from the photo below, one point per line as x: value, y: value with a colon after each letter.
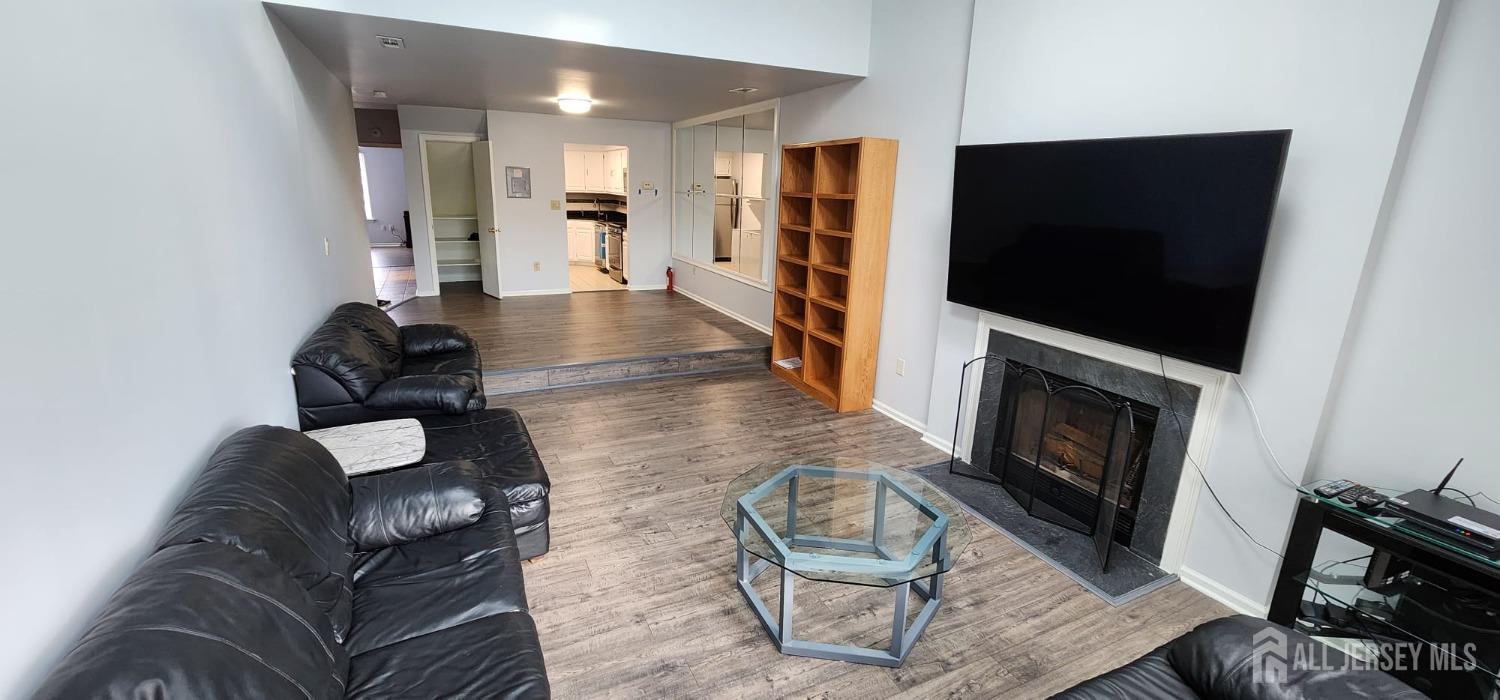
x: 1153, y: 242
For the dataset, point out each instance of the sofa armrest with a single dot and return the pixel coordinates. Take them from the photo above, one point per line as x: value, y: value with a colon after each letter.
x: 442, y: 392
x: 422, y: 339
x: 410, y: 504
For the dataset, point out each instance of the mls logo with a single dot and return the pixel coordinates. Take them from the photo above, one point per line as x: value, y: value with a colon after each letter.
x: 1268, y: 656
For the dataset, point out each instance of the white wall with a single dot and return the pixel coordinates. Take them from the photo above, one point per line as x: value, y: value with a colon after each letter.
x: 828, y: 35
x: 1420, y: 373
x: 196, y: 211
x: 531, y: 232
x: 385, y: 170
x: 1340, y: 73
x: 915, y: 93
x: 415, y: 121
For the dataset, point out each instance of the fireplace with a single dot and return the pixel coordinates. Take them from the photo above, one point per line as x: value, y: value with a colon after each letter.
x: 1071, y: 453
x: 1077, y: 454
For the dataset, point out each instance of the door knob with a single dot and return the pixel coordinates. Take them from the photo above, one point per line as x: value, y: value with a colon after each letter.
x: 494, y: 230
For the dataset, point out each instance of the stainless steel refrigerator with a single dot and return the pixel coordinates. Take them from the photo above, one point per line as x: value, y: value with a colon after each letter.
x: 726, y: 216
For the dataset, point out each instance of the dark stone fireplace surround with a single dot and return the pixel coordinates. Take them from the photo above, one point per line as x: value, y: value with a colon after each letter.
x: 1168, y: 451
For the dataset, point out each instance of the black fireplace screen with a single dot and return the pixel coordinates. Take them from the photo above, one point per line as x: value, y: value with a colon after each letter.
x: 1070, y: 453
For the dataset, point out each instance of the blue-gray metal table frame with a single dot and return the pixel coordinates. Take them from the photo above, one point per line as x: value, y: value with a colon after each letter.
x: 903, y: 637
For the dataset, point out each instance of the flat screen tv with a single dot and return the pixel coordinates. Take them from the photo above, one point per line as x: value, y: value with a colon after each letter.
x: 1153, y: 242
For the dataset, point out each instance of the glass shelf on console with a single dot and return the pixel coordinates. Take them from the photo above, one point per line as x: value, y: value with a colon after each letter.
x: 1382, y: 519
x: 1411, y: 621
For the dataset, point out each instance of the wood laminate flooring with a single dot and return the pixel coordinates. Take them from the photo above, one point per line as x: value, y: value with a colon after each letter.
x: 560, y: 329
x: 637, y: 598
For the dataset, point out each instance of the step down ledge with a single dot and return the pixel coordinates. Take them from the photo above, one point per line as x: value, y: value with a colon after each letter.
x: 525, y: 379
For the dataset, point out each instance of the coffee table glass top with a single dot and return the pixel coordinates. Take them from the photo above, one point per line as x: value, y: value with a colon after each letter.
x: 852, y: 521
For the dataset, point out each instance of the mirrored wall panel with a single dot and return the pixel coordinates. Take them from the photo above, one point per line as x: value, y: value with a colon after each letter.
x: 722, y: 179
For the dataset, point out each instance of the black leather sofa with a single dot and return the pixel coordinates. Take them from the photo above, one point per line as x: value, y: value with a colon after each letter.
x: 277, y: 578
x: 496, y: 441
x: 1217, y: 659
x: 359, y: 366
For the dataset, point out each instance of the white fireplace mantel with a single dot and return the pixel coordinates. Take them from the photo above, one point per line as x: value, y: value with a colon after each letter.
x: 1211, y: 383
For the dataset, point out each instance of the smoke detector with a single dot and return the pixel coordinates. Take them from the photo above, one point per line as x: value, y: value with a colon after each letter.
x: 391, y: 42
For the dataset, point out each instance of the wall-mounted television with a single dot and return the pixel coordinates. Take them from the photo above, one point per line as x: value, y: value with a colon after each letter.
x: 1151, y: 242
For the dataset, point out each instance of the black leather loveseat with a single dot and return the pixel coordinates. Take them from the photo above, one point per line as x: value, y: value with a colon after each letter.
x: 278, y: 578
x: 359, y: 366
x: 1218, y: 659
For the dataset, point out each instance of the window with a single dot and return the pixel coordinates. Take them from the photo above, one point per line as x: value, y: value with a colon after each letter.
x: 364, y: 187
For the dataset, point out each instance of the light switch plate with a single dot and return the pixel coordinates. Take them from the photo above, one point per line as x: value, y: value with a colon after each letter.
x: 556, y: 205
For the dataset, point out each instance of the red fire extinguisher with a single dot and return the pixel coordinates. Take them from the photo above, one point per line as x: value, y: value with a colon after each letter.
x: 669, y: 279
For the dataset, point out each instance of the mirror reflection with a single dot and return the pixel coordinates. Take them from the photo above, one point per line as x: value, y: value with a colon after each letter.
x: 721, y: 185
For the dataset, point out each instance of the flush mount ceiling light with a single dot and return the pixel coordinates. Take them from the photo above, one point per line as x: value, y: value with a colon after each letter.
x: 378, y: 94
x: 575, y: 105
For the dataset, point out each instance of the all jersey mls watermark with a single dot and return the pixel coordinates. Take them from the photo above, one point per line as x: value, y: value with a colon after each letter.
x: 1272, y: 657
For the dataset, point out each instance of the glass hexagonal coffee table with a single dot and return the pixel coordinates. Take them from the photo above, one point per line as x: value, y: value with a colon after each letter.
x: 846, y: 521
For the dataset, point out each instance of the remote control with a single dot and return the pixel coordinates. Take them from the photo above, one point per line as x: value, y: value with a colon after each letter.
x: 1352, y: 495
x: 1334, y: 488
x: 1369, y: 501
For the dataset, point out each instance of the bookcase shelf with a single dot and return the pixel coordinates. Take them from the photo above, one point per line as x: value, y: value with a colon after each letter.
x: 830, y: 267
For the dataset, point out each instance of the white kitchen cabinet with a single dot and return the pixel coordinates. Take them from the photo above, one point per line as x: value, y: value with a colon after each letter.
x: 614, y: 171
x: 580, y: 240
x: 573, y: 167
x: 593, y: 171
x: 748, y: 258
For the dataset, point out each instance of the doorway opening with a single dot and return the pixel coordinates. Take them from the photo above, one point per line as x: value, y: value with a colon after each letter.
x: 597, y: 184
x: 382, y: 178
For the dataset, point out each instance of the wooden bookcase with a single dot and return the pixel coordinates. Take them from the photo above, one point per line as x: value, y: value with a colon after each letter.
x: 831, y: 244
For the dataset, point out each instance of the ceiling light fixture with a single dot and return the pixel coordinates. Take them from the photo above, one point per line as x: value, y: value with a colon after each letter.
x: 575, y: 105
x: 379, y: 94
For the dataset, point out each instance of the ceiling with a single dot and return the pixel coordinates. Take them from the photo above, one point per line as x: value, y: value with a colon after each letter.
x: 449, y: 66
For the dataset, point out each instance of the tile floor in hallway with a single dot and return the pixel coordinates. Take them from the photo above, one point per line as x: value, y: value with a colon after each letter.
x: 587, y: 278
x: 395, y: 275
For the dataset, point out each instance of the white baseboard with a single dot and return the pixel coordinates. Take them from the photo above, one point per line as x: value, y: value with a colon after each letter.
x: 1218, y: 591
x: 938, y: 442
x: 645, y: 287
x: 722, y: 310
x: 428, y: 293
x: 535, y: 292
x: 898, y: 416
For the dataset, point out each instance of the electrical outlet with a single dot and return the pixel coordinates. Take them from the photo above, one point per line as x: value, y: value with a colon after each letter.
x: 900, y: 367
x: 536, y: 266
x: 326, y: 246
x: 556, y: 205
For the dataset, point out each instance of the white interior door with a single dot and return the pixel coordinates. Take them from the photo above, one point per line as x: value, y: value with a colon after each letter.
x: 489, y: 228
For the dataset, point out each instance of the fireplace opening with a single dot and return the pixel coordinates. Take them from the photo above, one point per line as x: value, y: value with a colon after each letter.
x: 1072, y: 454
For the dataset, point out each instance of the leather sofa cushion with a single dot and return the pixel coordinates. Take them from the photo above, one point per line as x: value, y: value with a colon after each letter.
x: 1150, y: 677
x: 278, y: 494
x: 437, y: 582
x: 407, y: 505
x: 462, y: 363
x: 377, y: 326
x: 1215, y: 660
x: 496, y: 440
x: 492, y: 657
x: 448, y: 393
x: 204, y: 621
x: 420, y: 339
x: 346, y: 355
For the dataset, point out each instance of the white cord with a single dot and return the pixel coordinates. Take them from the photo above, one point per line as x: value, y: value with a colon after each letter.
x: 1260, y: 430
